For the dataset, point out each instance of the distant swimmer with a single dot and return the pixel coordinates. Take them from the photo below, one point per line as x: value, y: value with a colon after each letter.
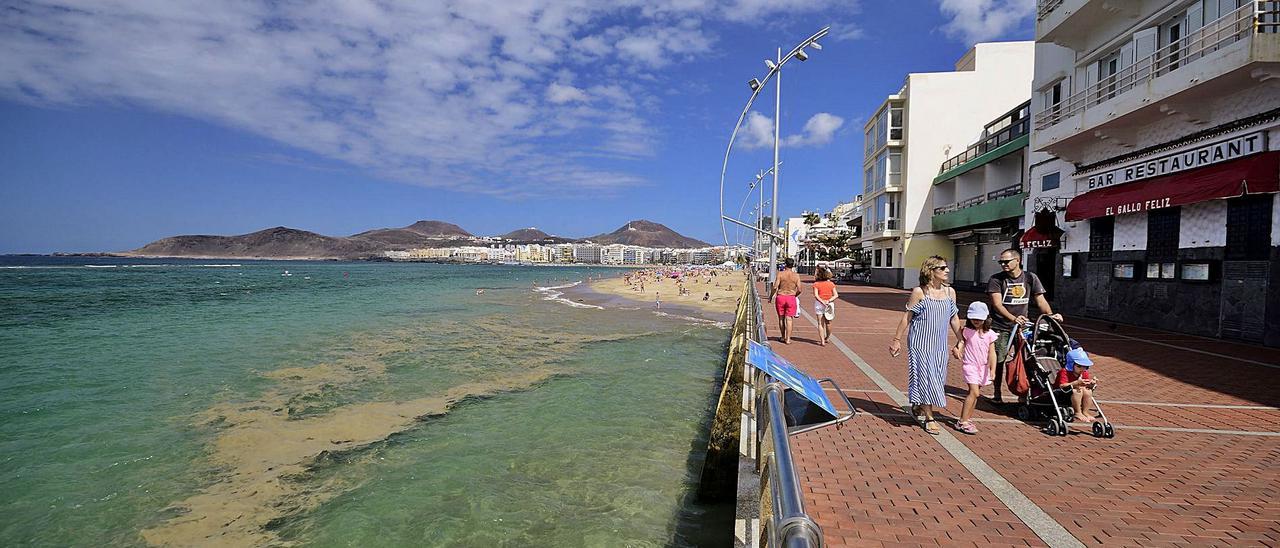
x: 479, y: 292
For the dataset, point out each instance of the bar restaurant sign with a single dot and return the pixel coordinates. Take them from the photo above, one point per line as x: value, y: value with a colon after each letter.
x: 1204, y: 155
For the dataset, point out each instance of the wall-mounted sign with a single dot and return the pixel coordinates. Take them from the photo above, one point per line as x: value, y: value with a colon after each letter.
x: 1212, y: 153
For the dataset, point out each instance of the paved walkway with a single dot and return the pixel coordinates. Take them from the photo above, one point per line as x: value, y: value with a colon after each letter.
x: 1195, y: 460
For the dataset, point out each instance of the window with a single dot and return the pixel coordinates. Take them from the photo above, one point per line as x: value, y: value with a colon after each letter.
x: 888, y: 257
x: 1249, y: 228
x: 1053, y: 97
x: 869, y: 141
x: 895, y: 124
x: 1107, y: 69
x: 1049, y: 182
x: 878, y: 256
x: 869, y: 180
x: 895, y: 169
x: 1162, y: 235
x: 882, y: 169
x: 1101, y: 238
x: 882, y: 128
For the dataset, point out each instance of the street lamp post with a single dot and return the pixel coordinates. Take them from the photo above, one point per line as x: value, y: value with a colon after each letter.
x: 775, y: 72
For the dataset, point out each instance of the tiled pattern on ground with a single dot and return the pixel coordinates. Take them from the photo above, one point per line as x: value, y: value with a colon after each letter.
x: 882, y: 480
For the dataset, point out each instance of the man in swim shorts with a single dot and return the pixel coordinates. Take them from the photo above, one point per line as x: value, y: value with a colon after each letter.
x: 786, y: 298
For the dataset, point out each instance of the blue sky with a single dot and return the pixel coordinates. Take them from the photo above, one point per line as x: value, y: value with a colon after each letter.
x: 122, y: 122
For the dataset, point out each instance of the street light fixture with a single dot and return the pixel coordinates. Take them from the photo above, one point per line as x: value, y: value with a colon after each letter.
x: 775, y: 71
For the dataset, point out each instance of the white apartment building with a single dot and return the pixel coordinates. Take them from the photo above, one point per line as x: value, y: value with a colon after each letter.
x: 586, y: 253
x: 1158, y: 207
x: 934, y: 116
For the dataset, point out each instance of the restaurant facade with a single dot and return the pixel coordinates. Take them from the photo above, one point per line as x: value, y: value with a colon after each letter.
x: 1157, y: 202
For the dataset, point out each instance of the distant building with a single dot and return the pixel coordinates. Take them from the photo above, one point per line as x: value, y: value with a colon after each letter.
x: 912, y: 133
x: 586, y: 253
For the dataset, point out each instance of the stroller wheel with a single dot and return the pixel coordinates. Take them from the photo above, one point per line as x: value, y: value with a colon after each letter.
x: 1052, y: 430
x: 1024, y: 412
x: 1098, y: 430
x: 1062, y: 428
x: 1108, y: 431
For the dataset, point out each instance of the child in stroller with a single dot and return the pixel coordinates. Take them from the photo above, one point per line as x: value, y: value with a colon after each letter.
x: 1047, y: 359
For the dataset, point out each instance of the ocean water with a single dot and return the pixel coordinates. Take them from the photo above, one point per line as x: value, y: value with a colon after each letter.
x: 184, y: 402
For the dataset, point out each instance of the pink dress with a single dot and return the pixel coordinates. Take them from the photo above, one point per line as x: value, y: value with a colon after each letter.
x: 977, y: 348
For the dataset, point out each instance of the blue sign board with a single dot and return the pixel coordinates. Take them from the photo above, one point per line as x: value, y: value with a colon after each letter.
x: 762, y: 358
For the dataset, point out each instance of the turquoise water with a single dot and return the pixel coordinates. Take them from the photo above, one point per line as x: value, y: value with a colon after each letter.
x: 187, y: 404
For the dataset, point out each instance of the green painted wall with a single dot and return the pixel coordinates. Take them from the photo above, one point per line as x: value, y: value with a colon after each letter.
x: 1005, y: 149
x: 1003, y: 208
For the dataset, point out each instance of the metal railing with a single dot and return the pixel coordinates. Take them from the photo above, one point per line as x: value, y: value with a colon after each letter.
x: 784, y: 520
x: 1045, y: 7
x: 1019, y: 124
x: 1011, y: 190
x: 1253, y: 17
x: 887, y: 224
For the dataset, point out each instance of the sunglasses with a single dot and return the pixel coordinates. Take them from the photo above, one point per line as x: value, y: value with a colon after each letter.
x: 1005, y: 261
x: 943, y: 267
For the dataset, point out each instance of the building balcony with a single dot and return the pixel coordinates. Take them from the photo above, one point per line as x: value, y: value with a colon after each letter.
x: 881, y: 230
x: 1069, y: 23
x: 994, y: 147
x: 1235, y: 52
x: 1005, y: 203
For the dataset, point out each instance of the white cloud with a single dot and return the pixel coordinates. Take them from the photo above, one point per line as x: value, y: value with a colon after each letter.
x: 560, y: 94
x: 757, y: 131
x: 470, y: 94
x: 974, y: 21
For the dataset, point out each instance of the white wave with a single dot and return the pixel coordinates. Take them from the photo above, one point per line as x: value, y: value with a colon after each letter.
x: 101, y: 266
x: 558, y: 286
x: 691, y: 319
x: 550, y: 294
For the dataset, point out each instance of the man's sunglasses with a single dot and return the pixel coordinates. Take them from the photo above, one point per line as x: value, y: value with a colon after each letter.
x: 943, y: 267
x: 1005, y: 261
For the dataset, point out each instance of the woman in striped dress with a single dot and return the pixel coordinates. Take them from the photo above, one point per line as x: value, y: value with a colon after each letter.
x: 931, y: 310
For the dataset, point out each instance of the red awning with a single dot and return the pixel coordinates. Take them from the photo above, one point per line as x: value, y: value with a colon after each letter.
x: 1254, y: 174
x: 1036, y: 239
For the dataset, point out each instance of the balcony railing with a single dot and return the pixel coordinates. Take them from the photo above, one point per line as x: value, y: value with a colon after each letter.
x: 1011, y: 190
x: 887, y: 224
x: 993, y: 141
x: 1045, y: 7
x: 1253, y: 17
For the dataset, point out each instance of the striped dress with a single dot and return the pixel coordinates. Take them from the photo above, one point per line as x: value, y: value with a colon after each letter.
x: 927, y: 350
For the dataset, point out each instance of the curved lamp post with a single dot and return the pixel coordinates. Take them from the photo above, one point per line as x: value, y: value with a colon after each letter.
x: 775, y: 72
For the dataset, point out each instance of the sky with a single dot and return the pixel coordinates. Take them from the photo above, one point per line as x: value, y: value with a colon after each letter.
x: 125, y: 121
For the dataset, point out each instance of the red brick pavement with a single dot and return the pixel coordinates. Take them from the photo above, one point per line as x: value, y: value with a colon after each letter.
x: 881, y: 480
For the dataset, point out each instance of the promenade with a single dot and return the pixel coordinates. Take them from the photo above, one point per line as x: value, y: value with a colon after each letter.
x: 1193, y: 463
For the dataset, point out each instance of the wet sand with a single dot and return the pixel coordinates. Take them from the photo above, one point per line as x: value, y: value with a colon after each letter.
x: 722, y: 303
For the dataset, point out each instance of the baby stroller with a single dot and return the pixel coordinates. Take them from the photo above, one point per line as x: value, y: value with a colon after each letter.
x: 1038, y: 351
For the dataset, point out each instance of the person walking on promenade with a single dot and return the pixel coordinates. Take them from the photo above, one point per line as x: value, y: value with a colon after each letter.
x: 1011, y: 290
x: 824, y: 303
x: 979, y: 362
x: 786, y: 298
x: 930, y: 311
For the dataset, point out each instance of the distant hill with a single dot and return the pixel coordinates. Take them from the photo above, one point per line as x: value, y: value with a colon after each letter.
x: 419, y: 234
x: 647, y: 234
x: 273, y: 243
x: 533, y: 235
x: 530, y: 233
x: 290, y: 243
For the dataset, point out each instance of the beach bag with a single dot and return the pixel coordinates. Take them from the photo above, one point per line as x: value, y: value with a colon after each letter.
x: 1015, y: 372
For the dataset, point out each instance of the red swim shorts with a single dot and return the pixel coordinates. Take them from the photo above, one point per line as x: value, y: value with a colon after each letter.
x: 786, y: 304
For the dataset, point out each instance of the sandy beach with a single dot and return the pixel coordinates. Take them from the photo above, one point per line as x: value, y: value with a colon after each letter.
x: 723, y: 291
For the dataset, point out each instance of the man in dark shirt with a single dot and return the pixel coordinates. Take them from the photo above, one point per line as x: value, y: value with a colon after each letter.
x: 1012, y: 290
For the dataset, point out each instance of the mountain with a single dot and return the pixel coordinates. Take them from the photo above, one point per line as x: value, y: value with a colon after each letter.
x: 533, y: 235
x: 647, y: 234
x: 419, y: 234
x: 273, y: 243
x: 525, y: 234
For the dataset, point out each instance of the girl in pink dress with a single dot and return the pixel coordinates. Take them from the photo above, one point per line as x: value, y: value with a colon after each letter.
x: 979, y: 362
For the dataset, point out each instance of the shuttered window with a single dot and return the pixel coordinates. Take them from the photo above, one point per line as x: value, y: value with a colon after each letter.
x: 1162, y: 234
x: 1249, y: 228
x: 1101, y: 238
